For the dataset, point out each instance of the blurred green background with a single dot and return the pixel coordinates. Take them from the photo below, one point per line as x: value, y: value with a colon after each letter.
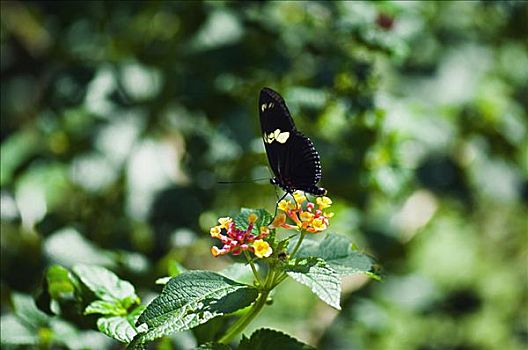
x: 119, y: 118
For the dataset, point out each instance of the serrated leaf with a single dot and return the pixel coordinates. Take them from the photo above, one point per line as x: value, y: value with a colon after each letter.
x: 263, y: 219
x: 117, y: 327
x: 319, y: 277
x: 213, y: 346
x: 268, y: 339
x: 106, y: 285
x: 338, y: 253
x: 121, y: 328
x: 104, y: 308
x: 191, y: 299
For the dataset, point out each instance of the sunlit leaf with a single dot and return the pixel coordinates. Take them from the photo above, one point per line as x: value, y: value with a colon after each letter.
x: 190, y: 299
x: 106, y: 285
x: 319, y: 277
x: 263, y: 219
x: 338, y: 253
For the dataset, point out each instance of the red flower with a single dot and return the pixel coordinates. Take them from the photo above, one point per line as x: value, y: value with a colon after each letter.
x: 235, y: 240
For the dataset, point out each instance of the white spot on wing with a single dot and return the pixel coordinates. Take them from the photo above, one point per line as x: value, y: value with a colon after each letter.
x: 277, y: 135
x: 263, y: 107
x: 282, y: 137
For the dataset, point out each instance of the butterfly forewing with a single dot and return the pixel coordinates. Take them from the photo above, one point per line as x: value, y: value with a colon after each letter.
x: 273, y: 112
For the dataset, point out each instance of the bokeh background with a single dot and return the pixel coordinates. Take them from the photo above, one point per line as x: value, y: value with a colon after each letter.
x: 119, y: 119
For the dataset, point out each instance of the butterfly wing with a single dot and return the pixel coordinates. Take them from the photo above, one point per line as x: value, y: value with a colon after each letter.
x: 302, y: 170
x: 274, y: 115
x: 291, y: 155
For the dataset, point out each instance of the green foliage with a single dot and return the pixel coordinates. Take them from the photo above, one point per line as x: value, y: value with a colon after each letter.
x: 213, y: 346
x: 314, y: 273
x: 262, y: 339
x: 263, y: 219
x: 191, y: 299
x: 119, y: 119
x: 338, y: 253
x: 268, y: 339
x: 113, y: 292
x: 121, y: 328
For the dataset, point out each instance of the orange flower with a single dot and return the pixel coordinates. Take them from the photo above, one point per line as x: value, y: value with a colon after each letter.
x: 303, y: 214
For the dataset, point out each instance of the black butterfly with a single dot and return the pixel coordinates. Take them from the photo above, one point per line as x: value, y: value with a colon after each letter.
x: 291, y: 155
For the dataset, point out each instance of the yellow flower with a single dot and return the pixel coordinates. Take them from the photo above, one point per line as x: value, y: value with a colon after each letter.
x: 328, y: 215
x: 224, y: 222
x: 285, y: 205
x: 252, y: 218
x: 279, y: 220
x: 264, y: 230
x: 306, y: 216
x: 262, y: 248
x: 319, y: 224
x: 299, y: 197
x: 323, y: 202
x: 215, y: 231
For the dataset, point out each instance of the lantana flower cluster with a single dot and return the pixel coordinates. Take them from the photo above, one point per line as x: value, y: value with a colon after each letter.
x: 236, y: 241
x: 304, y: 214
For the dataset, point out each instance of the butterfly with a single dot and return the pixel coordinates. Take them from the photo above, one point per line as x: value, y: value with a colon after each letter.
x: 291, y: 155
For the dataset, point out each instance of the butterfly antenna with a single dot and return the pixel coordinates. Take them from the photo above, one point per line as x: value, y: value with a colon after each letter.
x: 242, y: 181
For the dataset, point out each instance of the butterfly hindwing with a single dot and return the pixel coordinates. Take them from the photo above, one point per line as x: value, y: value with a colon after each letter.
x: 305, y: 165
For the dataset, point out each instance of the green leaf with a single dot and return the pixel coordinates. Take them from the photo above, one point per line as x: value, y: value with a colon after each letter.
x: 62, y: 284
x: 104, y: 308
x: 67, y: 335
x: 163, y: 280
x: 106, y: 285
x: 191, y: 299
x: 14, y: 332
x: 26, y: 309
x: 68, y: 247
x: 263, y: 219
x: 338, y: 253
x: 319, y: 277
x: 213, y: 346
x: 16, y: 149
x: 121, y: 328
x: 268, y: 339
x: 239, y: 272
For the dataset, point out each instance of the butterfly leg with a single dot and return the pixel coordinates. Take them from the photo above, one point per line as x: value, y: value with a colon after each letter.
x: 277, y: 206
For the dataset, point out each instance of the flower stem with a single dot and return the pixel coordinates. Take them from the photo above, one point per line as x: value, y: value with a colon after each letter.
x: 272, y: 280
x: 298, y: 244
x: 243, y: 321
x: 253, y: 268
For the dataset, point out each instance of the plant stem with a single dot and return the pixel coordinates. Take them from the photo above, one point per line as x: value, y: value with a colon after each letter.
x: 298, y: 244
x: 243, y: 321
x: 253, y: 268
x: 272, y: 280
